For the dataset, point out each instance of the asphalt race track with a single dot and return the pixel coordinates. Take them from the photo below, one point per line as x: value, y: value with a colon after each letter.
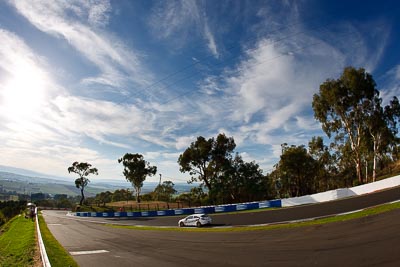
x: 368, y: 241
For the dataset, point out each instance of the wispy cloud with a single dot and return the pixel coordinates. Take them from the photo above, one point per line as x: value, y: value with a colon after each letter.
x: 262, y: 100
x: 78, y: 23
x: 53, y: 128
x: 212, y: 46
x: 391, y: 85
x: 181, y: 21
x: 269, y: 93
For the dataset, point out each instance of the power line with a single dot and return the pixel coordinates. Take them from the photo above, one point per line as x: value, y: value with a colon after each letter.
x: 260, y: 63
x: 197, y: 73
x: 189, y: 66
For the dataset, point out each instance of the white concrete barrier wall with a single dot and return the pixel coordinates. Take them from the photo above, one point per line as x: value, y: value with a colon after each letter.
x: 376, y: 186
x: 342, y: 192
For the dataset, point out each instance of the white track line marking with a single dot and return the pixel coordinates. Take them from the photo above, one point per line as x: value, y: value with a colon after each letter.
x: 75, y: 253
x: 350, y: 212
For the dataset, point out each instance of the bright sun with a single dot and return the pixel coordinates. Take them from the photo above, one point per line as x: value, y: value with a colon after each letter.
x: 23, y: 93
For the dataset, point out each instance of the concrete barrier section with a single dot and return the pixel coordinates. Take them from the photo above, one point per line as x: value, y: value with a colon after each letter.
x: 342, y: 192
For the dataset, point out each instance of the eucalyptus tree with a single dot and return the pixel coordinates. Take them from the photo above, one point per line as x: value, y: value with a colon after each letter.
x: 83, y: 169
x: 136, y: 169
x: 165, y: 191
x: 298, y: 170
x: 206, y: 160
x: 340, y: 107
x: 241, y: 182
x: 325, y: 164
x: 382, y: 126
x: 104, y: 197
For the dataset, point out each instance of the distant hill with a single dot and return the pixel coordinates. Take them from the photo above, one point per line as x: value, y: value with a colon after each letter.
x: 24, y: 184
x: 29, y: 173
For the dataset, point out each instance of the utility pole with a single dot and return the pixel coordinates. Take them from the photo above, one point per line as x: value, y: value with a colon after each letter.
x: 159, y: 187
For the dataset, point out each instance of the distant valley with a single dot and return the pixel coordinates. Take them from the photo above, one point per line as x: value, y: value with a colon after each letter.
x: 24, y: 184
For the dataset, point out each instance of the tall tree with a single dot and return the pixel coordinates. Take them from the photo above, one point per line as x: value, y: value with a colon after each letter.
x: 382, y: 126
x: 298, y: 169
x: 340, y: 107
x: 83, y: 169
x: 104, y: 197
x: 121, y: 195
x: 325, y: 166
x: 205, y: 159
x: 165, y: 191
x: 242, y: 181
x: 136, y: 169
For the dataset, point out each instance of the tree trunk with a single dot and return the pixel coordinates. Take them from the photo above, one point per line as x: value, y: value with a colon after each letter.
x: 137, y: 195
x: 359, y: 171
x: 375, y: 159
x: 82, y: 197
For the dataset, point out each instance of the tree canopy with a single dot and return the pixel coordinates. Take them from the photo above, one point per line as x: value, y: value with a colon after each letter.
x: 298, y: 169
x: 241, y: 182
x: 136, y: 169
x: 340, y: 107
x: 350, y: 109
x: 165, y: 191
x: 206, y: 159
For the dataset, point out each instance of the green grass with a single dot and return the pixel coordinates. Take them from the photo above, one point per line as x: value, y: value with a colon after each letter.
x: 368, y: 212
x: 17, y: 242
x: 58, y: 256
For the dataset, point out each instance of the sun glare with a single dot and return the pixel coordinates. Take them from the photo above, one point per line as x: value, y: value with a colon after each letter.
x: 23, y: 93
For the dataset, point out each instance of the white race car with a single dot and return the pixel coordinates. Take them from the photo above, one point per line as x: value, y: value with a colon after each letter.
x: 197, y: 220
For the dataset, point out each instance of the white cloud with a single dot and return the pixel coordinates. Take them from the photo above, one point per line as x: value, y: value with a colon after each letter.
x: 182, y: 20
x: 184, y: 142
x: 98, y: 12
x: 269, y: 93
x: 262, y: 101
x: 52, y: 135
x: 391, y: 85
x: 74, y: 21
x: 212, y: 46
x: 307, y: 123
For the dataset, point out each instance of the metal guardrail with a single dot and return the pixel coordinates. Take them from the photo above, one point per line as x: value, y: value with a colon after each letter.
x: 42, y: 248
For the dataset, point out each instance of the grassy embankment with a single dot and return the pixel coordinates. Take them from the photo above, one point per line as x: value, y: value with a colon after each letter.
x: 18, y: 242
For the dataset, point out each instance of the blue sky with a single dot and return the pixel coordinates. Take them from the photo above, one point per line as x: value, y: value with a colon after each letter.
x: 90, y: 82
